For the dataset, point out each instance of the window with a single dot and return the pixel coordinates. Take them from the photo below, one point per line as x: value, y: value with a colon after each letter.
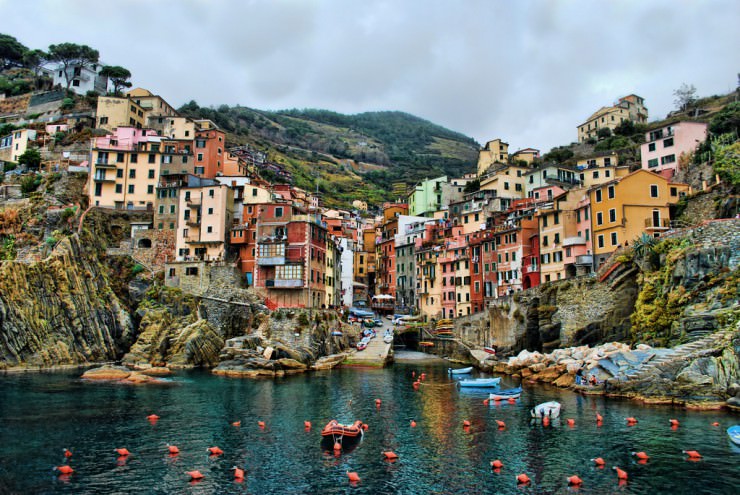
x: 506, y: 186
x: 610, y: 192
x: 612, y: 215
x: 132, y: 173
x: 200, y: 157
x: 668, y: 159
x: 119, y: 173
x: 544, y: 241
x: 557, y: 256
x: 557, y: 239
x: 103, y: 120
x: 651, y: 147
x: 210, y: 211
x: 667, y: 143
x: 674, y: 191
x: 598, y: 195
x: 653, y: 162
x: 209, y: 229
x: 600, y: 241
x: 191, y: 270
x: 599, y: 218
x: 152, y: 158
x: 278, y: 212
x: 557, y: 218
x: 131, y: 189
x: 200, y: 143
x: 161, y: 209
x: 211, y: 193
x: 544, y: 221
x: 595, y: 174
x: 119, y: 157
x: 150, y: 189
x: 653, y: 191
x: 614, y: 238
x: 607, y: 173
x: 151, y: 173
x: 119, y: 188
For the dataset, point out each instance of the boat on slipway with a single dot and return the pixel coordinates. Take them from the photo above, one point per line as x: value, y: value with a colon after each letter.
x: 480, y: 382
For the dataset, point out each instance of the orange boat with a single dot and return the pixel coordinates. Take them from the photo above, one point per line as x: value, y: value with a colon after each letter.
x: 345, y: 435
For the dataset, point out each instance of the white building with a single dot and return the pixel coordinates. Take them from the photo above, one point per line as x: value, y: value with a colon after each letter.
x: 83, y: 79
x: 347, y: 260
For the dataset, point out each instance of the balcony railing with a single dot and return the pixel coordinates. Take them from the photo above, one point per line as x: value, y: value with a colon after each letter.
x: 104, y: 164
x: 585, y: 260
x: 657, y: 224
x: 574, y: 241
x: 102, y: 178
x: 279, y: 283
x: 531, y: 269
x: 193, y: 222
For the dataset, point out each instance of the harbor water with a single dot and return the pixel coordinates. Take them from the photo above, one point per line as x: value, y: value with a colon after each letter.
x: 43, y: 413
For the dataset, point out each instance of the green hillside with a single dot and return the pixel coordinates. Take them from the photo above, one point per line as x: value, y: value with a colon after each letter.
x: 347, y: 156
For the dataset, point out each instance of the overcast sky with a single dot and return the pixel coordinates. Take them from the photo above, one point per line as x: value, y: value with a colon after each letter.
x: 526, y: 71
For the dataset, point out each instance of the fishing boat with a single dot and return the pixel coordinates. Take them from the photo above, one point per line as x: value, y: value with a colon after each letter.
x: 512, y: 393
x: 734, y: 433
x: 388, y: 336
x: 489, y: 350
x: 345, y: 435
x: 460, y: 371
x: 480, y: 382
x: 546, y: 409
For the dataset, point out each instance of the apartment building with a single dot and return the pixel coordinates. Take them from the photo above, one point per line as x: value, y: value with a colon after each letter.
x: 13, y: 145
x: 205, y: 221
x: 495, y: 151
x: 664, y: 147
x: 628, y: 108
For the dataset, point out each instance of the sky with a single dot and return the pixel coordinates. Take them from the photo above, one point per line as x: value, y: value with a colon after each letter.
x: 526, y: 71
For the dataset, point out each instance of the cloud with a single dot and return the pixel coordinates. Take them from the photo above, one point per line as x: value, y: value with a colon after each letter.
x: 526, y: 71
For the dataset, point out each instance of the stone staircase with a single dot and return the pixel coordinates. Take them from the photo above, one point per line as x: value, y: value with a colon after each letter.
x: 677, y: 353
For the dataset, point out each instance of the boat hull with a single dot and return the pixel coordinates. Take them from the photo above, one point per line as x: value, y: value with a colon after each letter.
x: 481, y: 382
x: 460, y: 371
x: 348, y: 436
x: 513, y: 393
x: 734, y: 433
x: 546, y: 409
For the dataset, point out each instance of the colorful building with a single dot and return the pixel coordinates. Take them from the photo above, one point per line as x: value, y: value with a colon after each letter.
x: 495, y: 151
x: 629, y: 108
x: 664, y: 147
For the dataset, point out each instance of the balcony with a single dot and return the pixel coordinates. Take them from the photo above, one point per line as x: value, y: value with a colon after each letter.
x: 279, y: 283
x: 585, y: 260
x: 193, y: 222
x: 531, y: 269
x: 657, y: 223
x: 104, y: 164
x: 103, y: 178
x: 192, y: 202
x: 574, y: 241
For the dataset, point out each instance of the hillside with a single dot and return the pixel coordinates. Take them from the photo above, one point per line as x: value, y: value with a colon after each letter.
x: 347, y: 156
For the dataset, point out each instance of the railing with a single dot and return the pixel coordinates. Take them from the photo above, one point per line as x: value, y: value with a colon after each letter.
x: 585, y: 259
x: 573, y: 241
x: 99, y: 178
x: 193, y: 201
x: 193, y: 222
x: 104, y: 164
x: 530, y: 269
x: 279, y: 283
x: 661, y: 223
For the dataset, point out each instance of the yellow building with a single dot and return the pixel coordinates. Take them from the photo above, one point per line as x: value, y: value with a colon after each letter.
x: 623, y: 209
x: 528, y: 155
x: 135, y: 110
x: 15, y: 144
x: 558, y: 231
x: 429, y: 281
x: 600, y: 168
x: 203, y: 227
x: 631, y: 107
x: 508, y: 181
x: 172, y: 127
x: 495, y: 151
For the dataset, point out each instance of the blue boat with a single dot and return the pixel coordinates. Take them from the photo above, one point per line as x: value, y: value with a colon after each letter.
x: 734, y: 433
x: 511, y: 393
x: 480, y: 382
x: 459, y: 371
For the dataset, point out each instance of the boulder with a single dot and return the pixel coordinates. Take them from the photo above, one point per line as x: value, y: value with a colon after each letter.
x: 565, y: 380
x: 157, y: 371
x: 328, y: 362
x: 292, y: 364
x: 137, y: 378
x: 550, y: 374
x: 107, y: 373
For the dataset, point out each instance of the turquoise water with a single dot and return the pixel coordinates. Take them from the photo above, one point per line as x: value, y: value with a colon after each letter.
x: 43, y: 413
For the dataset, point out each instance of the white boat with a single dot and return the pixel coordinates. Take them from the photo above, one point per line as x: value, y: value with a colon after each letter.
x: 734, y: 433
x: 512, y: 393
x: 388, y: 337
x: 546, y: 409
x: 460, y: 371
x: 480, y: 382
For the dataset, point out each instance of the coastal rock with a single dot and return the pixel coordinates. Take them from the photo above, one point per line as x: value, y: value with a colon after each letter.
x: 291, y: 364
x: 157, y: 371
x: 328, y: 362
x: 565, y: 380
x: 107, y: 373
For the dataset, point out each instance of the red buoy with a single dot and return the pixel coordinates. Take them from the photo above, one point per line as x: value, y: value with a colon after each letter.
x: 214, y: 450
x: 152, y: 417
x: 621, y: 474
x: 674, y: 422
x: 631, y: 421
x: 195, y: 475
x: 599, y: 418
x: 574, y: 480
x: 337, y: 446
x: 67, y: 453
x: 641, y: 455
x: 546, y: 421
x: 413, y: 424
x: 391, y: 456
x: 466, y: 424
x: 715, y: 424
x: 365, y: 426
x: 497, y: 464
x: 122, y: 452
x: 64, y: 469
x: 261, y: 424
x: 571, y: 421
x: 485, y: 402
x: 238, y: 473
x: 693, y: 454
x: 522, y: 479
x: 511, y: 400
x: 353, y: 477
x: 236, y: 423
x: 500, y: 423
x: 413, y: 374
x: 598, y: 461
x: 173, y: 449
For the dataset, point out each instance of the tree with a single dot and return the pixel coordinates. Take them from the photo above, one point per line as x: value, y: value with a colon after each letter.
x: 726, y: 120
x: 118, y: 76
x: 625, y: 128
x: 727, y: 163
x: 31, y: 158
x: 472, y: 186
x: 685, y: 96
x: 11, y: 52
x: 558, y: 155
x: 35, y: 60
x: 71, y: 55
x: 604, y: 133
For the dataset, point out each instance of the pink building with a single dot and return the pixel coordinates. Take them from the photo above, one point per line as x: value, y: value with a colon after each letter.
x: 663, y: 147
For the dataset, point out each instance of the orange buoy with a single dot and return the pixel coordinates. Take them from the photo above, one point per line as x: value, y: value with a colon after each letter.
x: 337, y: 446
x: 307, y: 425
x: 64, y: 469
x: 574, y: 480
x: 546, y: 421
x: 413, y: 424
x: 413, y: 374
x: 415, y: 385
x: 365, y: 426
x: 511, y: 400
x: 236, y: 423
x: 497, y: 464
x: 123, y: 452
x: 621, y: 473
x: 238, y: 473
x: 378, y: 402
x: 500, y: 423
x: 173, y: 449
x: 571, y: 421
x: 391, y: 456
x: 152, y: 417
x: 631, y: 421
x: 522, y: 479
x: 214, y: 450
x: 195, y: 475
x: 715, y: 424
x: 598, y: 461
x: 641, y: 455
x: 353, y: 477
x: 423, y: 376
x: 261, y: 424
x: 693, y: 454
x: 485, y: 402
x: 67, y: 453
x: 674, y: 422
x: 466, y: 424
x: 599, y: 418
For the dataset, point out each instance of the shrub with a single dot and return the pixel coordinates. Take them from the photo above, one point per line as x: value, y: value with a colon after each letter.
x: 136, y: 269
x: 67, y: 213
x: 67, y: 104
x: 30, y: 183
x: 303, y: 319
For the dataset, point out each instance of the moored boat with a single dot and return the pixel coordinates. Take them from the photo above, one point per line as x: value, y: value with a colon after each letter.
x: 460, y: 371
x: 734, y: 433
x: 480, y: 382
x: 489, y: 350
x: 344, y: 435
x: 512, y: 393
x: 546, y: 409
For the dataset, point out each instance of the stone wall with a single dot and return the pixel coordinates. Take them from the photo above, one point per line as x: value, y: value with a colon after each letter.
x: 161, y: 247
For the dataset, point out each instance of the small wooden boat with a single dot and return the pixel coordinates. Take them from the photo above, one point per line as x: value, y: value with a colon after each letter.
x: 426, y: 344
x: 512, y: 393
x: 336, y: 333
x: 546, y: 409
x: 489, y: 350
x: 345, y: 435
x: 460, y: 371
x: 734, y: 433
x: 388, y: 337
x: 480, y: 382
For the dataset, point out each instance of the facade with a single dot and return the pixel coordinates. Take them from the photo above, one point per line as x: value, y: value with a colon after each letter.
x: 83, y: 78
x: 549, y: 175
x: 528, y: 155
x: 137, y: 109
x: 664, y: 147
x: 209, y: 149
x: 428, y: 196
x: 495, y: 151
x: 13, y: 145
x: 629, y: 108
x: 205, y: 221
